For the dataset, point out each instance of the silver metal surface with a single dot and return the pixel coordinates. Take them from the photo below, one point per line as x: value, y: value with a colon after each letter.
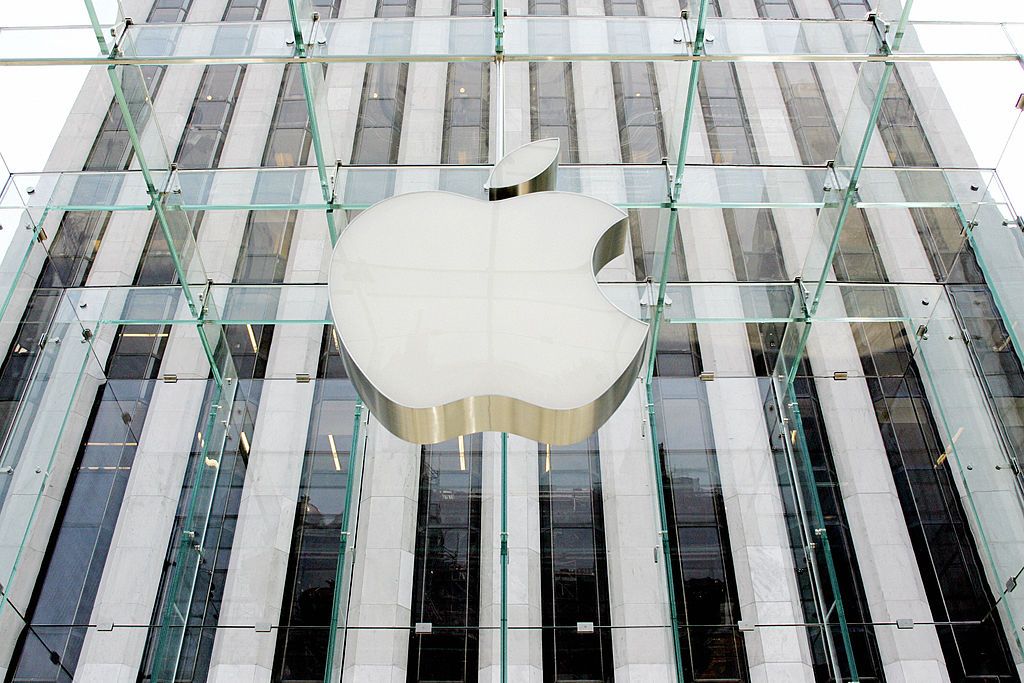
x: 457, y: 315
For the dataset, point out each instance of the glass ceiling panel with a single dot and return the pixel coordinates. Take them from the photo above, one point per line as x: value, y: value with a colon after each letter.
x: 687, y: 302
x: 447, y: 39
x: 626, y: 185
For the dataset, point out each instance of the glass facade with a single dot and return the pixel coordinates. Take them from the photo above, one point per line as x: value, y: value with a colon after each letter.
x: 815, y: 478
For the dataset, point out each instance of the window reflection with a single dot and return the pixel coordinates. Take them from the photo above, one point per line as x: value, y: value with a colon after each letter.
x: 574, y: 570
x: 446, y: 582
x: 943, y: 543
x: 647, y: 238
x: 310, y: 589
x: 699, y: 540
x: 552, y: 107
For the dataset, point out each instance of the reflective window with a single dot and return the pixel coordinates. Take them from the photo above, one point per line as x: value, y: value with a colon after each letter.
x: 309, y: 596
x: 705, y: 589
x: 49, y: 646
x: 549, y: 8
x: 647, y: 237
x: 851, y: 9
x: 552, y: 109
x: 574, y: 568
x: 380, y: 114
x: 638, y: 111
x: 446, y: 582
x: 204, y: 607
x: 200, y: 147
x: 466, y: 136
x: 379, y: 125
x: 466, y: 115
x: 974, y: 643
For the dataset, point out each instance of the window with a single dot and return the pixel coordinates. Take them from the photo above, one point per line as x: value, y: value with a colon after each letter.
x: 851, y: 9
x: 466, y: 138
x: 552, y: 109
x: 639, y: 113
x: 466, y: 115
x: 380, y: 114
x: 947, y: 558
x: 647, y: 236
x: 573, y: 564
x: 699, y: 541
x: 309, y: 596
x: 446, y: 581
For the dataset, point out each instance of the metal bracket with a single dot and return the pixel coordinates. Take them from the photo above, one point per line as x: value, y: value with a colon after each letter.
x: 804, y: 296
x: 683, y: 37
x: 881, y: 29
x: 118, y: 31
x: 670, y: 180
x: 172, y: 186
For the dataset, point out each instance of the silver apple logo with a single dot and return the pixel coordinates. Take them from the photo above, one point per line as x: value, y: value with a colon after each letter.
x: 458, y: 315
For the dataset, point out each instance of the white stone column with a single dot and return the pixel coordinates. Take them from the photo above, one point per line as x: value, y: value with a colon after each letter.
x: 637, y: 589
x: 525, y: 646
x: 758, y: 538
x: 257, y: 572
x: 380, y: 604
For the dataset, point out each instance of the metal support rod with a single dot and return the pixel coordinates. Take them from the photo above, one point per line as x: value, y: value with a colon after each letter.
x: 659, y: 311
x: 499, y: 27
x: 346, y: 521
x: 97, y: 29
x: 666, y: 548
x: 817, y: 522
x: 673, y: 220
x: 504, y: 557
x: 499, y: 113
x: 314, y: 126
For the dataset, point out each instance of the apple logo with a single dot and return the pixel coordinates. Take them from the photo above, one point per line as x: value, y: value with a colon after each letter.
x: 458, y: 315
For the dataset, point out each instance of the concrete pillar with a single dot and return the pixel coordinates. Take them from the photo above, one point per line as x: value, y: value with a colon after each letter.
x: 266, y: 518
x: 380, y: 603
x: 525, y: 646
x: 637, y: 590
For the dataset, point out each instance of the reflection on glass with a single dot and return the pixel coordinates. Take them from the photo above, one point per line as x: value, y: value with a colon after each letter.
x: 974, y: 643
x: 446, y: 582
x: 574, y: 570
x: 705, y: 589
x: 310, y: 590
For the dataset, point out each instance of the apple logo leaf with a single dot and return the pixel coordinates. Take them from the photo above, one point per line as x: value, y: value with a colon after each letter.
x: 458, y: 315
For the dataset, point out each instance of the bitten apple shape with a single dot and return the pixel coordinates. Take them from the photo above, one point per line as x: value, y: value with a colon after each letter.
x: 458, y: 315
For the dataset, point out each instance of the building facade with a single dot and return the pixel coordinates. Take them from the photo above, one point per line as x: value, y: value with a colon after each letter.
x: 814, y: 478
